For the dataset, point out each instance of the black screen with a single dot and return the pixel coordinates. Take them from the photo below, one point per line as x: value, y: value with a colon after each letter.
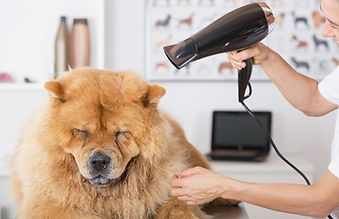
x: 237, y: 129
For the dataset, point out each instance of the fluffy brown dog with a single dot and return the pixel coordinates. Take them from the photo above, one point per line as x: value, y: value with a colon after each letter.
x: 101, y: 149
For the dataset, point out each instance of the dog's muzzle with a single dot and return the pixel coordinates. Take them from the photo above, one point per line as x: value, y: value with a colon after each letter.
x: 100, y: 164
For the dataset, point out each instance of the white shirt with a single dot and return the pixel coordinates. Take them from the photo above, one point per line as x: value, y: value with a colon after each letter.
x: 329, y: 88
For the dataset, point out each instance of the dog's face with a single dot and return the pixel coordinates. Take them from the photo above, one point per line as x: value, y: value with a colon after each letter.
x: 101, y: 118
x: 102, y: 144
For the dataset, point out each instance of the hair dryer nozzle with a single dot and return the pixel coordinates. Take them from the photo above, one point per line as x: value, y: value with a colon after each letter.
x: 182, y: 53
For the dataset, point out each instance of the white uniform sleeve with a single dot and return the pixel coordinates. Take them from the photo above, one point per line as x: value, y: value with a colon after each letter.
x: 329, y: 87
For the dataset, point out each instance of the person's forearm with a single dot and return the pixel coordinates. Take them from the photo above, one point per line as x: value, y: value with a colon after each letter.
x: 298, y: 89
x: 291, y: 198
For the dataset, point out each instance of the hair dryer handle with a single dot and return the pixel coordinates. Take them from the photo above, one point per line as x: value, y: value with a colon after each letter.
x: 244, y: 76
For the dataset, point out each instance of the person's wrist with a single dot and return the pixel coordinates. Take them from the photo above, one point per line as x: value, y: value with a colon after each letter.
x: 269, y: 58
x: 228, y: 188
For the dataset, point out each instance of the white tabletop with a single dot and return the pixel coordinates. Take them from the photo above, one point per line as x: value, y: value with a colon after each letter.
x: 273, y: 163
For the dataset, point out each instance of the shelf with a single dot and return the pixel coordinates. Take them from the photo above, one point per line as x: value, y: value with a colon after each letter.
x: 21, y: 86
x: 28, y: 51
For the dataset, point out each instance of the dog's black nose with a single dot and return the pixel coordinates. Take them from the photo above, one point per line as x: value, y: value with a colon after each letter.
x: 99, y: 161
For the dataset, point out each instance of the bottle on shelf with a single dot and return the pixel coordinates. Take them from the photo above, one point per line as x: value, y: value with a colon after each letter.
x: 61, y: 49
x: 80, y: 43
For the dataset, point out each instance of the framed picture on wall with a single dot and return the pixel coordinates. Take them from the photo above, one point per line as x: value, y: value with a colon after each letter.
x: 296, y: 37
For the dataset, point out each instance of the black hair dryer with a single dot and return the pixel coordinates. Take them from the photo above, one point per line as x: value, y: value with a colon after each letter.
x: 236, y: 30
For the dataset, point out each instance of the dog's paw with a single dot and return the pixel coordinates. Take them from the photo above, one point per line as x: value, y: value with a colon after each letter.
x: 179, y: 213
x: 175, y: 209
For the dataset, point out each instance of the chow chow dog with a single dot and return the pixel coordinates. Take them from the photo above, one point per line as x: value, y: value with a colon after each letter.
x: 100, y: 148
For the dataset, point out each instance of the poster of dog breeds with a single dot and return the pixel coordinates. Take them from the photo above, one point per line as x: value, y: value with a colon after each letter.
x: 296, y: 36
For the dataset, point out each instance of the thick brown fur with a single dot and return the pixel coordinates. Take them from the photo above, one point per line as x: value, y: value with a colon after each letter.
x: 49, y: 176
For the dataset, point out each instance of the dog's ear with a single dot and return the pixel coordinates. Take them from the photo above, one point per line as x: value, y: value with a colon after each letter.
x: 155, y: 92
x: 55, y: 90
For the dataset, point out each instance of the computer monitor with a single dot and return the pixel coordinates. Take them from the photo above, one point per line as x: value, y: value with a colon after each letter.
x: 239, y: 130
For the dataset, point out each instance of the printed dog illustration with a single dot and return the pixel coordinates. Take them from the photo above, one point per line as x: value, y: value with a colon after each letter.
x: 300, y: 64
x: 165, y: 22
x: 163, y: 64
x: 300, y: 19
x: 187, y: 21
x: 300, y: 43
x: 320, y: 42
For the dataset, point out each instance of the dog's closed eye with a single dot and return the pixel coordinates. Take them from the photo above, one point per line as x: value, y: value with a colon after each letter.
x: 119, y: 135
x: 78, y: 132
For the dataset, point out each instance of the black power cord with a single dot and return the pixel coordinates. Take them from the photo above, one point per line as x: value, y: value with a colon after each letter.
x: 272, y: 142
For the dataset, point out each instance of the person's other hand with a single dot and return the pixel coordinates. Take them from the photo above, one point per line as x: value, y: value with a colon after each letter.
x: 197, y: 186
x: 259, y: 52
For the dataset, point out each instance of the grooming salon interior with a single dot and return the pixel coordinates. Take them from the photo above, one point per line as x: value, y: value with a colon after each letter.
x: 202, y: 96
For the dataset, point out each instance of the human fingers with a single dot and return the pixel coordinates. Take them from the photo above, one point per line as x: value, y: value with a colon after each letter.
x: 238, y: 65
x: 176, y: 182
x: 191, y: 171
x: 246, y: 54
x: 234, y: 56
x: 250, y: 52
x: 232, y: 53
x: 178, y: 192
x: 174, y: 177
x: 235, y: 60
